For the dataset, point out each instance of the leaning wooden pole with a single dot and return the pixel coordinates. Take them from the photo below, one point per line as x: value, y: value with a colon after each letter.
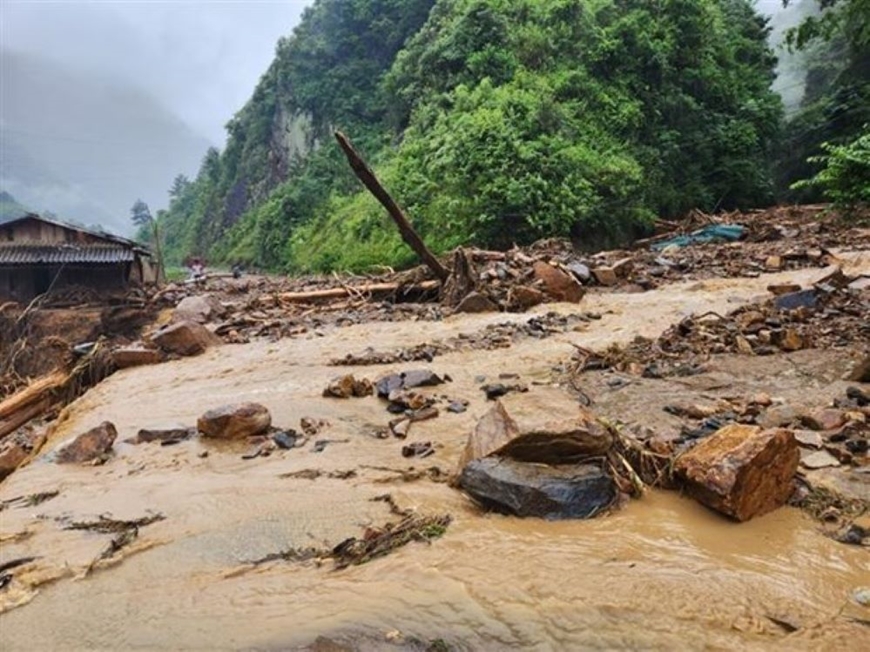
x: 409, y: 235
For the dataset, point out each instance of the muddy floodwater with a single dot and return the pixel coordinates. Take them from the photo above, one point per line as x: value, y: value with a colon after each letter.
x: 661, y: 573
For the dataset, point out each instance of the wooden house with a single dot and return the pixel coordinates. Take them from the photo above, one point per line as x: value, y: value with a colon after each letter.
x: 38, y: 255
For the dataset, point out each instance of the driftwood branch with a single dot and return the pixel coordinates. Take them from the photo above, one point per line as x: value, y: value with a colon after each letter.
x: 409, y: 235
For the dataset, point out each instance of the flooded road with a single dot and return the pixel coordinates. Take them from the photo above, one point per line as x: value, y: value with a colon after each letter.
x: 663, y: 573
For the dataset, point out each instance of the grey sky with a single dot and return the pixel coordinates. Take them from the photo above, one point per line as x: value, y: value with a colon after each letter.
x: 200, y: 58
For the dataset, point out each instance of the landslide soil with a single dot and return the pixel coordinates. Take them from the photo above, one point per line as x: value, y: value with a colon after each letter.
x: 662, y: 573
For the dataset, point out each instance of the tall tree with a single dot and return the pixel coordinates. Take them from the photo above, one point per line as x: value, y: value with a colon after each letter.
x: 142, y: 218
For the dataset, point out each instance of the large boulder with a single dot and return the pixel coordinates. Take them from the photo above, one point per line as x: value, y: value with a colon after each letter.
x: 560, y: 285
x: 564, y: 441
x: 185, y: 338
x: 89, y: 446
x: 201, y: 308
x: 522, y: 489
x: 742, y: 471
x: 235, y: 421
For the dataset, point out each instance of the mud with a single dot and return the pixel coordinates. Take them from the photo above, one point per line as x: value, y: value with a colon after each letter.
x: 662, y: 573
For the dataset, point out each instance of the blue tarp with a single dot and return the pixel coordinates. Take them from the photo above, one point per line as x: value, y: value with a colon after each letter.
x: 715, y: 233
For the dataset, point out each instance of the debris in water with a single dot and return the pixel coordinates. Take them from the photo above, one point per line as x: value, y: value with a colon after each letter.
x: 30, y: 500
x: 109, y: 525
x: 418, y: 449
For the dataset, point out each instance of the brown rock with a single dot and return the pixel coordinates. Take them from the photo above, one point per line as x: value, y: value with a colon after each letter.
x: 741, y: 471
x: 824, y: 419
x: 89, y: 446
x: 861, y: 372
x: 788, y: 340
x: 475, y: 302
x: 773, y: 262
x: 17, y: 448
x: 200, y: 309
x: 780, y: 415
x: 605, y: 275
x: 174, y: 433
x: 819, y: 460
x: 134, y: 356
x: 564, y: 441
x: 185, y: 338
x: 235, y: 421
x: 347, y: 386
x: 622, y: 267
x: 522, y: 297
x: 783, y: 288
x: 558, y: 284
x: 743, y: 345
x: 809, y: 438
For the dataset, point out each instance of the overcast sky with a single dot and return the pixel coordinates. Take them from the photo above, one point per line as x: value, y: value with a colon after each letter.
x: 201, y: 58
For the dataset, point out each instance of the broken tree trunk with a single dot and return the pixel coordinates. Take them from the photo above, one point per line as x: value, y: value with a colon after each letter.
x: 409, y: 235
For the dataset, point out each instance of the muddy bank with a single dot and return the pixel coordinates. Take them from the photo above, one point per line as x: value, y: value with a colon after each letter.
x: 662, y: 573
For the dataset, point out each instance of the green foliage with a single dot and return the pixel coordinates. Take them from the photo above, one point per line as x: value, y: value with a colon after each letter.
x: 836, y: 104
x: 491, y: 121
x: 844, y: 178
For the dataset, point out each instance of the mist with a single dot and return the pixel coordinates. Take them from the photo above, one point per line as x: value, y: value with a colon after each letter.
x: 104, y: 103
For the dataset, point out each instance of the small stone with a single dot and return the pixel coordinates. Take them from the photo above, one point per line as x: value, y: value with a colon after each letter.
x: 580, y: 271
x: 135, y: 356
x: 789, y: 340
x: 809, y: 438
x: 522, y: 297
x: 347, y: 386
x: 743, y: 345
x: 862, y: 596
x: 16, y: 448
x: 861, y: 372
x: 147, y: 435
x: 235, y: 421
x: 475, y: 302
x: 89, y: 446
x: 778, y: 416
x: 605, y: 275
x: 819, y: 460
x: 185, y: 338
x: 558, y: 284
x: 795, y: 300
x: 385, y: 385
x: 622, y: 267
x: 198, y: 308
x: 824, y: 419
x: 773, y: 262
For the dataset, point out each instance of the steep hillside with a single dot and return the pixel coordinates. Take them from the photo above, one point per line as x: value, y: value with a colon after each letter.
x: 492, y: 122
x: 83, y: 147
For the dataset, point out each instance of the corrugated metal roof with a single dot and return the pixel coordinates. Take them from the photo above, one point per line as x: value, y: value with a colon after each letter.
x: 40, y: 254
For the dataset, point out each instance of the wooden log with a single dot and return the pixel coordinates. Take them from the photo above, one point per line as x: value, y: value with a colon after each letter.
x: 17, y: 419
x: 341, y: 293
x: 33, y: 392
x: 409, y: 235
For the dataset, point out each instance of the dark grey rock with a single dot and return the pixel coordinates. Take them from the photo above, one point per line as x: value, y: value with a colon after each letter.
x: 406, y: 380
x: 551, y: 492
x: 795, y: 300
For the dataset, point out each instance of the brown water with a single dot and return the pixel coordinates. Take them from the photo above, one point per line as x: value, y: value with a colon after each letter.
x: 663, y: 573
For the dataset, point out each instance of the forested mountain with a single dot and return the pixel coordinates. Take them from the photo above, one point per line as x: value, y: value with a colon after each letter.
x: 493, y: 122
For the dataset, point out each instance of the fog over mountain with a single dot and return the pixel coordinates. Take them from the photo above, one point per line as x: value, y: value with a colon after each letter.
x: 102, y: 103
